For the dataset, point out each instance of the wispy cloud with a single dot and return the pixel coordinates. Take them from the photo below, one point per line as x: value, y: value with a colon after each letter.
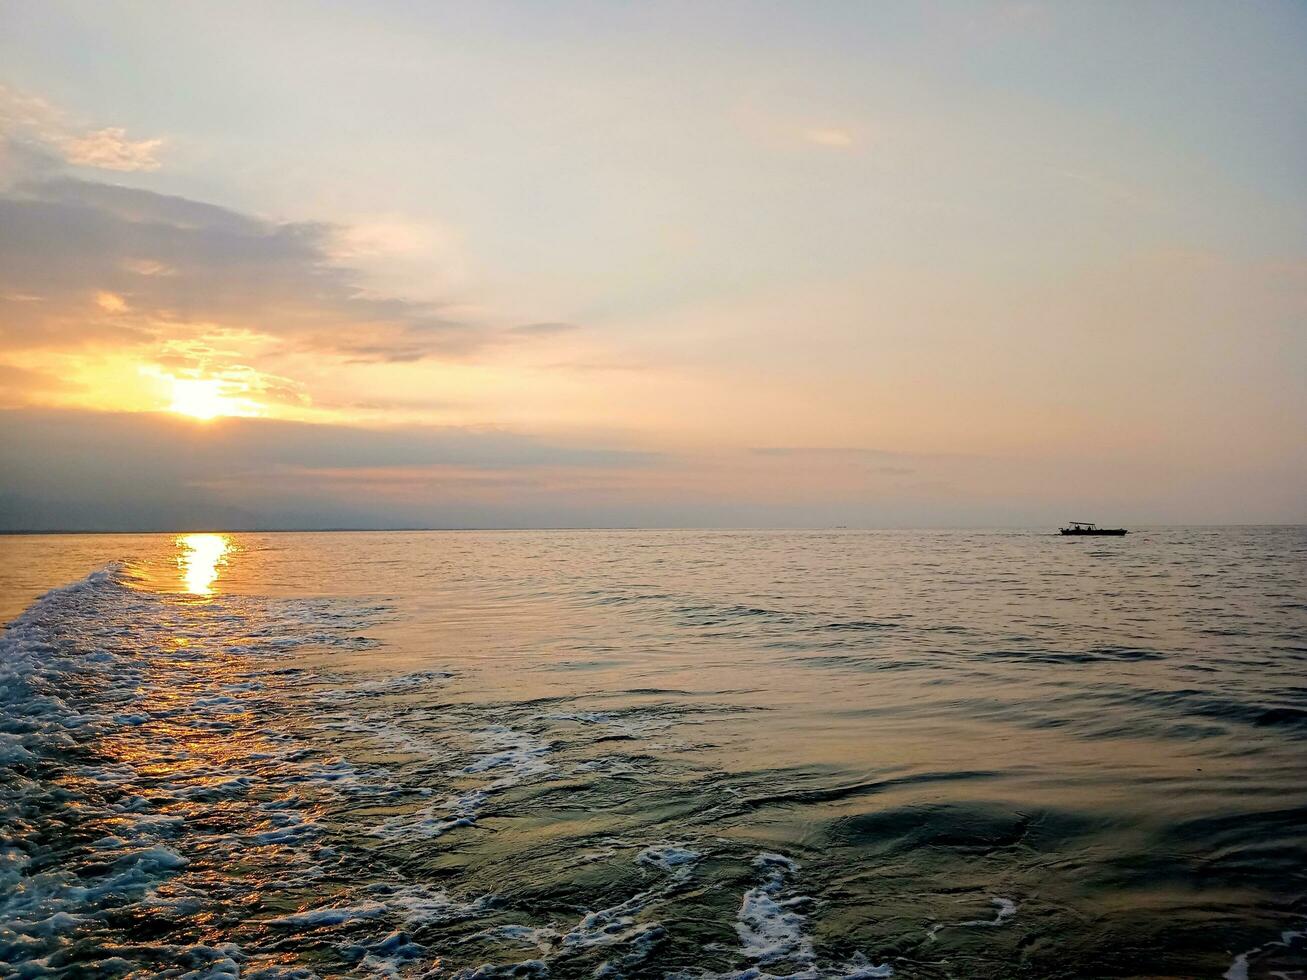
x: 110, y: 149
x: 872, y: 461
x: 28, y: 118
x: 549, y: 328
x: 110, y: 302
x: 17, y: 383
x: 834, y: 138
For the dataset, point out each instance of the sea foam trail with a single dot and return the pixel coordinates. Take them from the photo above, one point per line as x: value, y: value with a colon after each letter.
x: 40, y: 732
x: 143, y: 757
x: 163, y: 711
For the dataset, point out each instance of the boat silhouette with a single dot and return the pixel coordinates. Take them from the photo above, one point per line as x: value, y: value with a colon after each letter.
x: 1084, y: 527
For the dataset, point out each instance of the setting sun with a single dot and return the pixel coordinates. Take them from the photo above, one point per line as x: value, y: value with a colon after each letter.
x: 207, y: 398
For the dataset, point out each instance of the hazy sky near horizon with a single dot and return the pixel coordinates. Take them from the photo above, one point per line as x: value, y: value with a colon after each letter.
x: 310, y: 264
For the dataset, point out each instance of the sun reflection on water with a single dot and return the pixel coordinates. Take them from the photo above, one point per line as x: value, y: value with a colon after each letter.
x: 199, y: 560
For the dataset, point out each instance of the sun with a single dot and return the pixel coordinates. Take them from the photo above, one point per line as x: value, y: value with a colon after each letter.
x: 207, y: 398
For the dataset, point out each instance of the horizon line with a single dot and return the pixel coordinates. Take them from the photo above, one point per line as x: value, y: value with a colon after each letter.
x: 33, y: 532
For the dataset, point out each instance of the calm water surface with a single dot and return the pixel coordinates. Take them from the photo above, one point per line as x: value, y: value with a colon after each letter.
x: 841, y: 754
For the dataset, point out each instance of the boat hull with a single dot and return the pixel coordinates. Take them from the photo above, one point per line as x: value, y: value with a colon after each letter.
x: 1109, y: 532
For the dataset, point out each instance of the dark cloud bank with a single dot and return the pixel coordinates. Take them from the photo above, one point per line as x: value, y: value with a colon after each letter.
x: 106, y: 471
x: 76, y: 470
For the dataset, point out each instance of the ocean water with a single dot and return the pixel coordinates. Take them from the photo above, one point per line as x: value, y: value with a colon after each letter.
x: 655, y: 753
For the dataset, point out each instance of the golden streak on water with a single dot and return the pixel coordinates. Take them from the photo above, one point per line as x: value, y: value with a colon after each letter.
x: 199, y: 560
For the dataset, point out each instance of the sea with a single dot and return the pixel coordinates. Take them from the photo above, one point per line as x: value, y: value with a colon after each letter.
x: 674, y: 754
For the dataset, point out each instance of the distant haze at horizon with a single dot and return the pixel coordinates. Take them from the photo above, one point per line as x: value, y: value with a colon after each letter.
x: 596, y: 265
x: 149, y: 472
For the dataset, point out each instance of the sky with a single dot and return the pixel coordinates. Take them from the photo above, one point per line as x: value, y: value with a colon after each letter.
x: 406, y: 264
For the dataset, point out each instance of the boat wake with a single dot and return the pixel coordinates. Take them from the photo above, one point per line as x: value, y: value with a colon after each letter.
x: 182, y: 796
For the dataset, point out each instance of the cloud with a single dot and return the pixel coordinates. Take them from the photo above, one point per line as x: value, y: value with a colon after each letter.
x: 184, y: 268
x: 871, y: 462
x: 110, y: 302
x: 87, y: 265
x: 384, y: 239
x: 18, y: 383
x: 110, y: 149
x: 180, y: 363
x: 546, y: 329
x: 71, y: 469
x: 28, y: 119
x: 61, y: 469
x: 401, y: 406
x: 610, y: 366
x: 148, y: 267
x: 843, y: 454
x: 835, y: 138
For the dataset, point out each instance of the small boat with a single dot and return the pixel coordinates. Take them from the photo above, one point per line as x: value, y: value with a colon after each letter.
x: 1084, y: 527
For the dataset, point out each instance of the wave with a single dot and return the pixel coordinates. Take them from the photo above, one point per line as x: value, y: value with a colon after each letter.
x: 909, y: 777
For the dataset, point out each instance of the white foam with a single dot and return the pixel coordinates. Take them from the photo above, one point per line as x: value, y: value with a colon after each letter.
x: 668, y: 857
x: 392, y: 956
x: 527, y: 968
x: 419, y: 904
x: 157, y: 857
x: 1004, y: 909
x: 292, y: 828
x: 617, y: 924
x: 413, y: 905
x: 773, y: 929
x: 1239, y: 968
x: 639, y: 945
x: 330, y: 916
x: 515, y: 757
